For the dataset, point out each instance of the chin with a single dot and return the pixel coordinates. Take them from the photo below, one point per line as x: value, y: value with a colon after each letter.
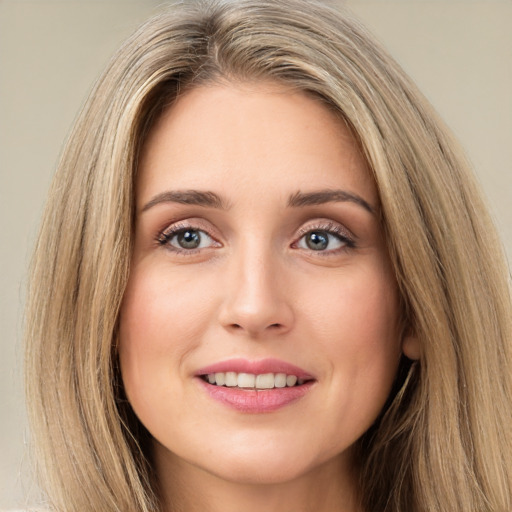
x: 269, y: 461
x: 260, y: 472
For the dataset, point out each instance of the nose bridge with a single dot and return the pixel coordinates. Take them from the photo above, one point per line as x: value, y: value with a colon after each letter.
x: 255, y: 300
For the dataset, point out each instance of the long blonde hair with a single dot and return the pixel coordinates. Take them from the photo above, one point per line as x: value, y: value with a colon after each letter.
x: 443, y: 442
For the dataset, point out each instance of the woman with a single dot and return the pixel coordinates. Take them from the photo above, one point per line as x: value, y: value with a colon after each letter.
x: 273, y: 282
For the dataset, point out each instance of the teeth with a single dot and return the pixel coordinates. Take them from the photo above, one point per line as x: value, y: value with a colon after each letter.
x: 291, y: 380
x: 231, y: 379
x: 246, y: 380
x: 280, y: 380
x: 251, y: 381
x: 265, y: 381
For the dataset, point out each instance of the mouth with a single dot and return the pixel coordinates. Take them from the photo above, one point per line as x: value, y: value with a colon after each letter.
x: 251, y: 381
x: 255, y: 386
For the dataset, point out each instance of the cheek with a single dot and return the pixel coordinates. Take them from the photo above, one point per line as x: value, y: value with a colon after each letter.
x: 357, y: 312
x: 373, y: 334
x: 356, y: 325
x: 162, y: 312
x: 159, y: 324
x: 374, y: 315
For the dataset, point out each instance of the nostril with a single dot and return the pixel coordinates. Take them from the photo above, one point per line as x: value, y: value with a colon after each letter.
x: 239, y: 327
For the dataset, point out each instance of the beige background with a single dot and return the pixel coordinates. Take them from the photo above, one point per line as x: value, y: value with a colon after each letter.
x: 459, y: 52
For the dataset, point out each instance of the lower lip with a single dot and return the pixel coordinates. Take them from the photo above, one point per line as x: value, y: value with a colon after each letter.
x: 252, y: 401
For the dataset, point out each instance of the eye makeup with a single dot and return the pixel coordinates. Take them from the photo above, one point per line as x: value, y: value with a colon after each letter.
x: 320, y: 237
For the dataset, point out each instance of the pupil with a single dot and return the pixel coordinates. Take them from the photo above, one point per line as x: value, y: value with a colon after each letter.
x: 317, y: 240
x: 189, y: 239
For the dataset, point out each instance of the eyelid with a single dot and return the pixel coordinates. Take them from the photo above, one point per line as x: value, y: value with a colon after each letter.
x: 328, y: 225
x: 164, y: 235
x: 331, y: 227
x: 325, y: 225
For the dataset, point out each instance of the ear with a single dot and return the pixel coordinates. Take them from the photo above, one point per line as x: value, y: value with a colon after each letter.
x: 411, y: 347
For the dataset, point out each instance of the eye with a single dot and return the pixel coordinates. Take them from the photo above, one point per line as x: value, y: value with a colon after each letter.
x: 186, y: 239
x: 326, y: 239
x: 320, y: 241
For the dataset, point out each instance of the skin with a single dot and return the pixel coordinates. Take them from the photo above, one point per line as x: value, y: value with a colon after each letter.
x: 255, y: 289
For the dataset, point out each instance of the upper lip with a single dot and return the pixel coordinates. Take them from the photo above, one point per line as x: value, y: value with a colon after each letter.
x: 258, y: 367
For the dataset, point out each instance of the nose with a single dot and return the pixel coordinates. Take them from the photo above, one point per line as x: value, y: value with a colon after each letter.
x: 256, y: 299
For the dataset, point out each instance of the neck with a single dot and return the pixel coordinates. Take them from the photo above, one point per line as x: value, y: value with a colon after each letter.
x: 184, y: 487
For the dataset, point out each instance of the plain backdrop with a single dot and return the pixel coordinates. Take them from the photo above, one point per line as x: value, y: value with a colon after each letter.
x: 459, y: 52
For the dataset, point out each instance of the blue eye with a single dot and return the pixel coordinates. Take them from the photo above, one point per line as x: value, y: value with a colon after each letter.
x: 322, y: 240
x: 187, y: 239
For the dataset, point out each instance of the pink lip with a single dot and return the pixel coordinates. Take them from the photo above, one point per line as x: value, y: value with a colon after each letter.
x: 255, y: 367
x: 252, y: 401
x: 256, y: 402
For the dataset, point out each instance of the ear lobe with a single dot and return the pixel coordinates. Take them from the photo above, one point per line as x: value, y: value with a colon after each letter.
x: 411, y: 347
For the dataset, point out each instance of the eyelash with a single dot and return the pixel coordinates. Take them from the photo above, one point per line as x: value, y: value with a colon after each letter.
x: 164, y: 237
x: 330, y: 228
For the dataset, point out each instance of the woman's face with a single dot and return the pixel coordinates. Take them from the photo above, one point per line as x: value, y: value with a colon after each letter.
x: 259, y: 261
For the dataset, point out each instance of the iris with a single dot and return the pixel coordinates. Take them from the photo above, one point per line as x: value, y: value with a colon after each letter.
x: 317, y: 240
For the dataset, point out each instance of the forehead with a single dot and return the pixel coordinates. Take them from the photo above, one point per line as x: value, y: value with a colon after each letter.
x: 225, y: 136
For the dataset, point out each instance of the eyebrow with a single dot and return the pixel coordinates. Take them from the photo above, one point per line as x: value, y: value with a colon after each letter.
x: 327, y: 196
x: 193, y: 197
x: 299, y: 199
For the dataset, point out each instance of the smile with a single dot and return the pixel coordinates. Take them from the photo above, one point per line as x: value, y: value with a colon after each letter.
x: 255, y: 387
x: 251, y: 381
